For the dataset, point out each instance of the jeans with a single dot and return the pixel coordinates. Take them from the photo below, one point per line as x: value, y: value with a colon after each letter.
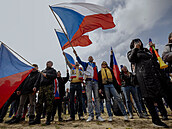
x: 127, y: 90
x: 101, y: 106
x: 111, y: 89
x: 143, y: 108
x: 93, y: 86
x: 78, y: 88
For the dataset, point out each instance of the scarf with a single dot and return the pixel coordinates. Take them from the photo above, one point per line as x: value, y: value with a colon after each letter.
x: 106, y: 76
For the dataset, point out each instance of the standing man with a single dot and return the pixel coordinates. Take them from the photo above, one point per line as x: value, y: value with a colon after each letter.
x: 28, y: 89
x: 91, y: 73
x: 59, y: 94
x: 75, y: 85
x: 66, y: 101
x: 46, y: 93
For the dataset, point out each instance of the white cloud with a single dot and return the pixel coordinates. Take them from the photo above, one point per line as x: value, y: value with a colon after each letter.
x: 131, y: 20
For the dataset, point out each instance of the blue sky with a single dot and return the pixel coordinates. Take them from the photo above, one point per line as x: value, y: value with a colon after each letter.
x: 27, y: 26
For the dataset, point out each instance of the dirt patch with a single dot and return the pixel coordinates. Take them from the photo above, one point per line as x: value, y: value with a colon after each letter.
x: 118, y: 123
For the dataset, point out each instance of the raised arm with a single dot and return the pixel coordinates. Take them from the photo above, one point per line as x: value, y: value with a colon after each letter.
x: 84, y: 64
x: 132, y: 55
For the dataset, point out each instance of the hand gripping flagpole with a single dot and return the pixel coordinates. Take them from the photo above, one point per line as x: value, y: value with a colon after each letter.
x: 61, y: 27
x: 22, y: 57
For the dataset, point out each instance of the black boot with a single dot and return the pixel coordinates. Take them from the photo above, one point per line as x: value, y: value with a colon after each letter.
x: 48, y: 119
x: 160, y: 124
x: 31, y: 119
x: 60, y: 119
x: 1, y: 120
x: 36, y: 121
x: 17, y: 120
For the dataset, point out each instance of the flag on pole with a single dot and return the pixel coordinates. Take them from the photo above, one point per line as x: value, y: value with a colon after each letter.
x: 115, y: 68
x: 82, y: 41
x: 70, y: 59
x: 80, y: 18
x: 150, y: 48
x: 12, y: 73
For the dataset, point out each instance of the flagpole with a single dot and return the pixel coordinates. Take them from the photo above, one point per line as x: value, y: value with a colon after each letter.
x: 16, y: 53
x: 21, y: 57
x: 61, y: 27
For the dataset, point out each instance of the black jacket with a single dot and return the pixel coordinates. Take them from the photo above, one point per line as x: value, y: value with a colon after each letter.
x: 31, y: 81
x: 115, y: 84
x: 62, y: 81
x: 128, y: 80
x: 147, y: 72
x: 51, y: 75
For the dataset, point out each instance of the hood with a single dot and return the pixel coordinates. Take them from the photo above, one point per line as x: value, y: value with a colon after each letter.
x: 135, y: 40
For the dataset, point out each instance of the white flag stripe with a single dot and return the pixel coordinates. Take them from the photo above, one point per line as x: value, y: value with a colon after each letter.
x: 84, y: 8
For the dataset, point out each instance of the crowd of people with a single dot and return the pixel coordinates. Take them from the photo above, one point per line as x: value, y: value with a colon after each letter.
x: 145, y: 88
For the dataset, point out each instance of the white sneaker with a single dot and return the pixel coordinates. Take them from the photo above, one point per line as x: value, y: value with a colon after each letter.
x: 100, y: 119
x: 89, y: 119
x: 110, y: 119
x: 125, y: 118
x: 131, y: 116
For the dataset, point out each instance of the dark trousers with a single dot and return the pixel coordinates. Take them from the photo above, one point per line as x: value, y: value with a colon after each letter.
x: 7, y: 104
x: 152, y: 110
x: 44, y: 109
x: 66, y: 103
x: 84, y: 99
x: 24, y: 99
x: 161, y: 107
x: 57, y: 104
x: 168, y: 97
x: 78, y: 88
x: 13, y: 108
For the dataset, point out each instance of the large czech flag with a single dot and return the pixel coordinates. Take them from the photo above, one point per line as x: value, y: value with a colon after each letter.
x: 12, y: 73
x: 82, y: 41
x: 80, y: 18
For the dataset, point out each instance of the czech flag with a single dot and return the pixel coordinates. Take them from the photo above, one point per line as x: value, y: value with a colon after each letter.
x: 80, y: 18
x: 82, y: 41
x: 70, y: 59
x: 12, y: 73
x: 56, y: 89
x: 115, y: 68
